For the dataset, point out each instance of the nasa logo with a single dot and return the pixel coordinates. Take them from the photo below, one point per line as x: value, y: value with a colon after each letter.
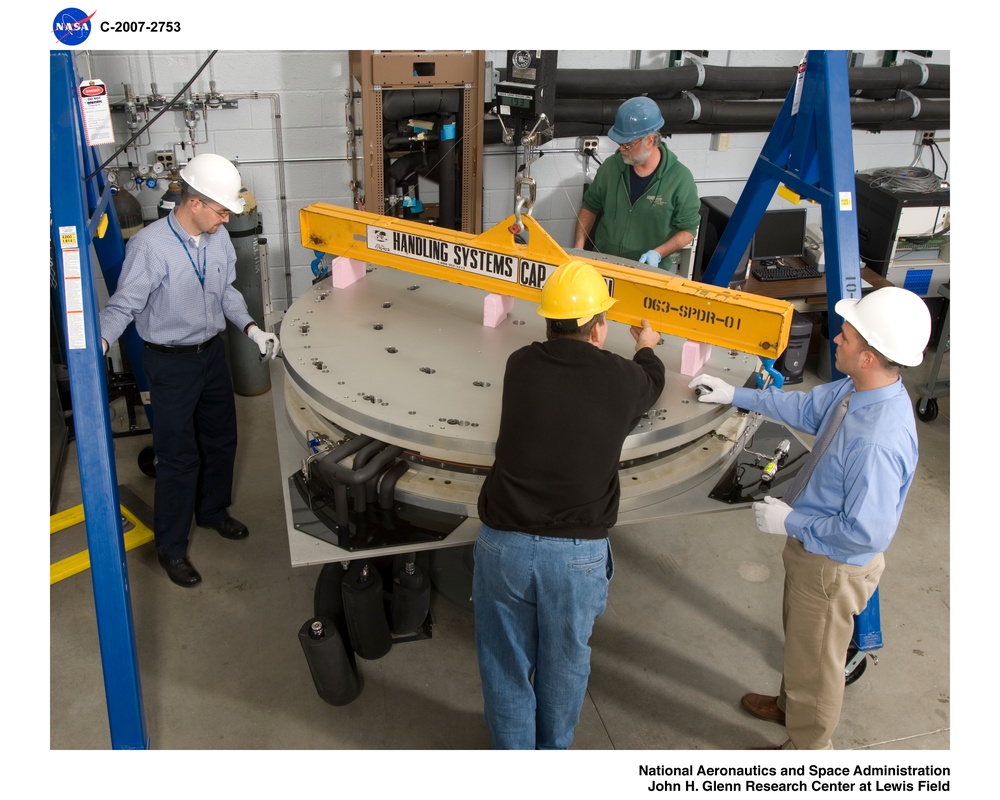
x: 71, y: 26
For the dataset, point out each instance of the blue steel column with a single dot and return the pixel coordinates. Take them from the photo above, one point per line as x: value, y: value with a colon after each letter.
x: 836, y: 171
x: 73, y: 217
x: 809, y: 150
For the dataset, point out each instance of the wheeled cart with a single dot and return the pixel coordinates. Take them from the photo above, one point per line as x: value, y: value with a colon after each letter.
x: 927, y: 407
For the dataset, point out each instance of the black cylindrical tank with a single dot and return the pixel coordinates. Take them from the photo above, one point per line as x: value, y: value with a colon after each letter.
x: 336, y: 680
x: 129, y: 213
x: 170, y: 199
x: 251, y: 377
x: 364, y: 608
x: 411, y: 597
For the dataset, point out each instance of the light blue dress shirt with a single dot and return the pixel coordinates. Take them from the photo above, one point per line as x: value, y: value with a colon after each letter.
x: 849, y: 509
x: 161, y: 290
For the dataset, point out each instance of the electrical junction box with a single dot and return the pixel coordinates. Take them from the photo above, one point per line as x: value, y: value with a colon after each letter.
x: 166, y: 159
x: 529, y: 88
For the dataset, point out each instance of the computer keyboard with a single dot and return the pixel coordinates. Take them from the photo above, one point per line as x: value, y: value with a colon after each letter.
x: 783, y: 272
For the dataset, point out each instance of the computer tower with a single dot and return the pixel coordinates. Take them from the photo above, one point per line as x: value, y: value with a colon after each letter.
x: 792, y: 362
x: 904, y: 237
x: 893, y: 228
x: 715, y: 213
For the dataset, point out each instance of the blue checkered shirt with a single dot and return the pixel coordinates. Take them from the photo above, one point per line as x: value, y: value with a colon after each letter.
x: 159, y: 287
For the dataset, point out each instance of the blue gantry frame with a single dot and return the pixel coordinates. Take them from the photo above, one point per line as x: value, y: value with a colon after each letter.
x: 82, y: 215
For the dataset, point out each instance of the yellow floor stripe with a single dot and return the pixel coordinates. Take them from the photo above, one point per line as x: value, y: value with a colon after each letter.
x: 71, y: 565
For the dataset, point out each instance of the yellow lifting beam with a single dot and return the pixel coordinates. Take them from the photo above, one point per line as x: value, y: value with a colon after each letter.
x: 496, y: 262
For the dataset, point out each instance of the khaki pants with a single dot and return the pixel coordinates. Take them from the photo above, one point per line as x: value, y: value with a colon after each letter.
x: 821, y: 598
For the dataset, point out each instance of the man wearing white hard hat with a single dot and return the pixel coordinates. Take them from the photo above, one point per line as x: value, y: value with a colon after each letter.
x: 840, y: 514
x: 177, y: 285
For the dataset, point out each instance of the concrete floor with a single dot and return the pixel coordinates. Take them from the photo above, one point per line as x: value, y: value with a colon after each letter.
x: 693, y: 621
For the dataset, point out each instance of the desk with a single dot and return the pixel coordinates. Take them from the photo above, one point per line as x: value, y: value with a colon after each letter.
x: 806, y: 294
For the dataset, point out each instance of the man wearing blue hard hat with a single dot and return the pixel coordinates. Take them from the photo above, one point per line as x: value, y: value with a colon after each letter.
x: 643, y: 198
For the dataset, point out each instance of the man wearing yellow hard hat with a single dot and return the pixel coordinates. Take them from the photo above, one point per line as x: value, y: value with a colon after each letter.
x: 542, y: 558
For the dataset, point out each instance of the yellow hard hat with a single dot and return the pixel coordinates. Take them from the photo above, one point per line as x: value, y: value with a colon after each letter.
x: 576, y: 291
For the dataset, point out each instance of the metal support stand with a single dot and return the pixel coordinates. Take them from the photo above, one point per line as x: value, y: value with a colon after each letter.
x: 810, y: 151
x: 927, y: 407
x: 81, y: 213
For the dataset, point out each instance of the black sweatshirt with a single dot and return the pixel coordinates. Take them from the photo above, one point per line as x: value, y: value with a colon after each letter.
x: 567, y: 408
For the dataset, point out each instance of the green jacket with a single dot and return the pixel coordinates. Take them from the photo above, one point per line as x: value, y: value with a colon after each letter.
x: 670, y: 205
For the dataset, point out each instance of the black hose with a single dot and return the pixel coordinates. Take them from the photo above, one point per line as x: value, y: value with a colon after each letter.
x: 387, y: 487
x: 765, y: 82
x: 447, y: 187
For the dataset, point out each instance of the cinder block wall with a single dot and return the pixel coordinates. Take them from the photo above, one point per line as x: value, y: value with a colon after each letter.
x: 308, y: 89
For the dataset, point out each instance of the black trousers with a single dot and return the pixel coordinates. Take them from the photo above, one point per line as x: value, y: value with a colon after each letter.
x: 194, y: 438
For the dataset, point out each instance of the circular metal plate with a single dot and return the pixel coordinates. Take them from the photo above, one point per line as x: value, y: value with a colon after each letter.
x: 407, y: 360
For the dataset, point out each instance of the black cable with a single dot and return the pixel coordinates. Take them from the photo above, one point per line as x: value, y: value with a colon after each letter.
x: 156, y: 116
x: 936, y: 146
x: 905, y: 179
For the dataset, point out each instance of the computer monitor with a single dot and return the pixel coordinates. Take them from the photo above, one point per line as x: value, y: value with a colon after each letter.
x: 780, y: 234
x: 715, y: 212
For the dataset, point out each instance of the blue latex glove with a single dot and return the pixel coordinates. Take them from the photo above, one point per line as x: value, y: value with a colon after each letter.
x: 650, y: 257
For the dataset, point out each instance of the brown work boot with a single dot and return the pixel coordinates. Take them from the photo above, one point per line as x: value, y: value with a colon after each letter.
x: 763, y: 706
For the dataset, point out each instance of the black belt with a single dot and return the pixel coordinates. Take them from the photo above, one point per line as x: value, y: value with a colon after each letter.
x: 180, y: 349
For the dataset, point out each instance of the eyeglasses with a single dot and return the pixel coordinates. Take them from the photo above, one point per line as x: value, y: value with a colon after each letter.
x: 222, y: 214
x: 629, y: 146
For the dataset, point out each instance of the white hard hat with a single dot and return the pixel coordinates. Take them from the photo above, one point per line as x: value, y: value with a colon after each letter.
x: 216, y: 178
x: 894, y: 321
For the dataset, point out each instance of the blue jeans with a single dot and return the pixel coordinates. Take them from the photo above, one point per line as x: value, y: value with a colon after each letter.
x: 536, y: 599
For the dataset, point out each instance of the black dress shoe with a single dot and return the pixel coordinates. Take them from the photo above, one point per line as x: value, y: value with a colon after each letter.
x: 229, y: 528
x: 181, y: 571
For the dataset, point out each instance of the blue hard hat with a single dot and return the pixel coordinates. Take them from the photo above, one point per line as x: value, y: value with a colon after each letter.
x: 636, y: 117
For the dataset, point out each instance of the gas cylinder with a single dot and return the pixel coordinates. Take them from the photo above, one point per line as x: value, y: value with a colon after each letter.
x: 337, y: 681
x: 129, y: 213
x: 170, y: 199
x: 251, y: 376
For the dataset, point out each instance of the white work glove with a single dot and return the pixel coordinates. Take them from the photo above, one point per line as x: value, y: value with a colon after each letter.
x: 650, y: 257
x: 262, y: 339
x: 713, y: 390
x: 770, y: 515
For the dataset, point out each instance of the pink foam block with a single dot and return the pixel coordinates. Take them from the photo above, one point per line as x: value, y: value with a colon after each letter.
x: 496, y: 307
x: 693, y: 357
x: 345, y: 271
